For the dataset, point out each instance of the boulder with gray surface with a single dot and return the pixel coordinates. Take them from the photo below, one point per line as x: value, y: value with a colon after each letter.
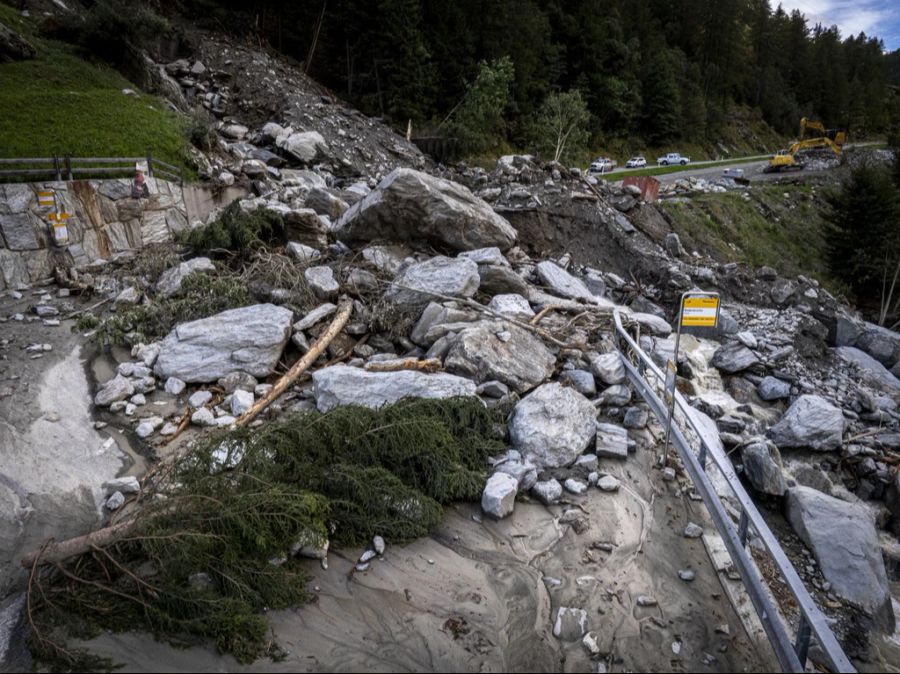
x: 450, y: 277
x: 412, y: 206
x: 494, y: 350
x: 499, y: 496
x: 810, y: 422
x: 250, y: 339
x: 553, y: 425
x: 169, y: 283
x: 342, y: 385
x: 733, y: 357
x: 562, y: 283
x: 762, y: 466
x: 843, y: 538
x: 607, y: 367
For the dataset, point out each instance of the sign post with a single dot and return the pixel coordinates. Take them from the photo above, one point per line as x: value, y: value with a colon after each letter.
x: 697, y: 309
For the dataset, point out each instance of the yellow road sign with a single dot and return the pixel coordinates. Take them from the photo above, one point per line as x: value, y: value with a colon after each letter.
x: 59, y: 216
x: 46, y: 199
x: 701, y: 311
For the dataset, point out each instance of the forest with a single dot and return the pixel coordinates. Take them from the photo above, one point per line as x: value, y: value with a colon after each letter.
x: 654, y: 70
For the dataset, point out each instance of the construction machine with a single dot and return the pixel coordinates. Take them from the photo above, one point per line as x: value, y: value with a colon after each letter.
x: 813, y: 135
x: 810, y: 128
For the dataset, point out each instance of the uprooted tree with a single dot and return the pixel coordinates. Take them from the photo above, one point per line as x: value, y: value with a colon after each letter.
x: 210, y: 541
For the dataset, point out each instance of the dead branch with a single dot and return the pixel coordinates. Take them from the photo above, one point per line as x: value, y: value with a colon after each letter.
x: 543, y: 312
x: 340, y: 320
x: 424, y: 365
x: 185, y: 420
x: 53, y: 553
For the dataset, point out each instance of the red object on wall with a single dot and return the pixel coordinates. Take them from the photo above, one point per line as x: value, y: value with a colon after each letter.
x: 648, y: 185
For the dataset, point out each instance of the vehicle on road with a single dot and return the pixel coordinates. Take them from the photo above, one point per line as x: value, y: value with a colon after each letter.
x: 731, y: 172
x: 673, y: 159
x: 636, y: 162
x: 602, y: 165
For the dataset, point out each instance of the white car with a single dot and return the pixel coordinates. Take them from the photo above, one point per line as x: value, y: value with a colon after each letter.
x: 636, y: 162
x: 602, y: 165
x: 673, y: 159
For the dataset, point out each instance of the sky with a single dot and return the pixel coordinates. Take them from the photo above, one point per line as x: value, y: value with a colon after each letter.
x: 880, y: 18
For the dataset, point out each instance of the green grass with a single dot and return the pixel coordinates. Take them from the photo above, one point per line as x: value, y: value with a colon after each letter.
x: 59, y: 103
x: 787, y: 234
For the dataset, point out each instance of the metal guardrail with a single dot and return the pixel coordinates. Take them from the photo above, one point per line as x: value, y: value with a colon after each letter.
x: 66, y: 167
x: 791, y: 653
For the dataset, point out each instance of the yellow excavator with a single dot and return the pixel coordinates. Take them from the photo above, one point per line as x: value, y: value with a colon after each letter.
x: 831, y: 139
x: 810, y: 128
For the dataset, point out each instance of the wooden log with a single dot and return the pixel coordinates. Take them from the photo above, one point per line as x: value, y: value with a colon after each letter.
x: 310, y: 357
x: 394, y: 365
x: 52, y: 552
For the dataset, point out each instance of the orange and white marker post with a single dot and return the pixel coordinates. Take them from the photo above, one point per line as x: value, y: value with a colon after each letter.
x: 57, y: 217
x: 697, y: 309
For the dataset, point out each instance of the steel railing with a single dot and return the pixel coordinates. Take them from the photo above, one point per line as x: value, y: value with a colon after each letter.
x: 67, y: 167
x: 791, y: 652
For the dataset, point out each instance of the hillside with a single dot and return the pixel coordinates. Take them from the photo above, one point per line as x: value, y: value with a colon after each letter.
x: 58, y: 102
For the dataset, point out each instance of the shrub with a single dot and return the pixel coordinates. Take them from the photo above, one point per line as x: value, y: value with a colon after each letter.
x: 237, y: 231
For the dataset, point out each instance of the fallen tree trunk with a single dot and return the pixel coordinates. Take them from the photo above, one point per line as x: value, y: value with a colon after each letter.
x: 54, y: 553
x: 425, y: 365
x: 310, y: 357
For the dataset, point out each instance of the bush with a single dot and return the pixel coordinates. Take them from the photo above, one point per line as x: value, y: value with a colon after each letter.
x: 237, y: 231
x: 111, y: 27
x: 199, y: 129
x: 478, y: 120
x: 201, y: 295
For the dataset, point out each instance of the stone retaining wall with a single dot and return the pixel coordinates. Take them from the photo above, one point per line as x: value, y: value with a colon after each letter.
x: 104, y: 221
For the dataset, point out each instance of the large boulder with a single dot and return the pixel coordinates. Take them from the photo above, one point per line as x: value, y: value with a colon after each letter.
x: 562, y: 283
x: 553, y: 425
x: 169, y: 283
x: 874, y: 371
x: 249, y: 339
x: 450, y: 277
x: 307, y: 146
x: 810, y: 422
x: 412, y: 206
x: 733, y: 357
x: 763, y: 469
x: 843, y: 538
x: 342, y: 385
x: 497, y: 351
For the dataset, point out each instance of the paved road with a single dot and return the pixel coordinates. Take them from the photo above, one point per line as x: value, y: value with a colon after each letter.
x: 753, y: 170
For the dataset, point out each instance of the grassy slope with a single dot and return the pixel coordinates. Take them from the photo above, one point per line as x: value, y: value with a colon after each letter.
x: 58, y: 103
x: 784, y: 233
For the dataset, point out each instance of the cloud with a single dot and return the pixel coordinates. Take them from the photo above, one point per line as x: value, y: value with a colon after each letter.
x: 873, y: 17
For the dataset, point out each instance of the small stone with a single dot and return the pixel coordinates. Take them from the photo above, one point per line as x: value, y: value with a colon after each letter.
x: 241, y: 401
x: 203, y: 417
x: 592, y: 643
x: 378, y: 544
x: 367, y: 556
x: 174, y: 386
x: 138, y: 399
x: 668, y: 474
x: 126, y: 485
x: 608, y: 483
x: 547, y: 492
x: 168, y: 429
x: 199, y: 398
x: 575, y: 486
x: 116, y: 501
x: 693, y: 530
x: 571, y: 624
x: 687, y: 575
x: 645, y: 601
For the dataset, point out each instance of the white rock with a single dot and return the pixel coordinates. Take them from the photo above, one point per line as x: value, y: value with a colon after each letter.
x: 499, y: 497
x: 174, y: 386
x: 241, y: 401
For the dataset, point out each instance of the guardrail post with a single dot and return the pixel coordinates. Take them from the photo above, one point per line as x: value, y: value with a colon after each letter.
x: 68, y: 160
x: 702, y: 457
x: 56, y: 167
x: 149, y: 164
x: 804, y: 633
x: 743, y: 527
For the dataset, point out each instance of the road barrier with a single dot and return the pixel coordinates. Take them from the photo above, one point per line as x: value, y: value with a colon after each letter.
x: 67, y: 167
x: 648, y: 379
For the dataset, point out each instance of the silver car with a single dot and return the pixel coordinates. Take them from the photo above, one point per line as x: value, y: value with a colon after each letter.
x: 636, y: 162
